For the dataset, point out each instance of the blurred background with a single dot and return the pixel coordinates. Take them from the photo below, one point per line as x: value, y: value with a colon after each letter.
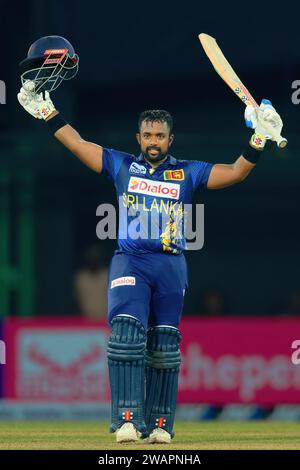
x: 134, y: 57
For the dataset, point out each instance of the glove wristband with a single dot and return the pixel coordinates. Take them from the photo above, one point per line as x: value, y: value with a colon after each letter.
x: 255, y: 148
x: 46, y: 109
x: 252, y: 154
x: 56, y: 123
x: 257, y: 141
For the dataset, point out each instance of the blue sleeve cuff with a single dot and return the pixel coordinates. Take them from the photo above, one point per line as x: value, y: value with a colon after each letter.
x: 206, y: 174
x: 105, y: 157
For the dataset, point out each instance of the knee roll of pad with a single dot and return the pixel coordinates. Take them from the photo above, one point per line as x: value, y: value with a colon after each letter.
x: 126, y: 363
x: 163, y: 348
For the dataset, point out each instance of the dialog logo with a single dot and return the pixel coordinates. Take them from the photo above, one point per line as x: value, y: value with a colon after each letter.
x: 123, y: 281
x: 154, y: 188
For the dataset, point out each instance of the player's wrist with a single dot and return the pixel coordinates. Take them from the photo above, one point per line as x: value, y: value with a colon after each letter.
x: 56, y: 122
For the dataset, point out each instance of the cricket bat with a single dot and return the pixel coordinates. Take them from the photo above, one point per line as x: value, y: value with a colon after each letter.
x: 226, y: 72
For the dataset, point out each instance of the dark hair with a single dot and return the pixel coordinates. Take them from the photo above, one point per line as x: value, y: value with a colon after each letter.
x: 158, y: 115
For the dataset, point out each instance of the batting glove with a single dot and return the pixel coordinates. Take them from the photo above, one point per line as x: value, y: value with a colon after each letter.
x: 255, y: 118
x: 39, y: 106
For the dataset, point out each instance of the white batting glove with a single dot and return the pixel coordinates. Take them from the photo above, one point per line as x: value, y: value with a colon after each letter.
x: 35, y: 104
x: 255, y: 119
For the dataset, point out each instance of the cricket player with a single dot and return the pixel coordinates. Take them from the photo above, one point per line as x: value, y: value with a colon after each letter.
x: 148, y: 276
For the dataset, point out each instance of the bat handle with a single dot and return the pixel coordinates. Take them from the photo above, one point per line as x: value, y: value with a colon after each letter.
x: 281, y: 142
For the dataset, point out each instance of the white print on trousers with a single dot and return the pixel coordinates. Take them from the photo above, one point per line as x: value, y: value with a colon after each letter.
x: 123, y: 281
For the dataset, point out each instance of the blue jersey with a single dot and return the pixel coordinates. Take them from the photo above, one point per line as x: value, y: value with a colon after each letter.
x: 152, y: 201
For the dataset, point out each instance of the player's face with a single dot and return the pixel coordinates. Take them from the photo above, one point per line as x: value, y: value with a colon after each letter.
x: 154, y: 139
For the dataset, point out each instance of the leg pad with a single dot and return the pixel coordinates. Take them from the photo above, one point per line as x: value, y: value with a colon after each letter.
x: 126, y: 364
x: 162, y: 370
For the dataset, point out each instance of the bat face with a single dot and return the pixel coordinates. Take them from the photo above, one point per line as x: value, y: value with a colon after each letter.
x: 226, y: 72
x: 224, y: 69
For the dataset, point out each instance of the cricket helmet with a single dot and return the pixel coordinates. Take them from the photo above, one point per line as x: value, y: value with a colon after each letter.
x: 50, y: 60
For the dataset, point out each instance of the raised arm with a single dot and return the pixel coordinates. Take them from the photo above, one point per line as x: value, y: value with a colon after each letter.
x: 89, y: 153
x: 223, y: 175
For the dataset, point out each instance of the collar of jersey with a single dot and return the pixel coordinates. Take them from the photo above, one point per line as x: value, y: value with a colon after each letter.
x: 169, y: 160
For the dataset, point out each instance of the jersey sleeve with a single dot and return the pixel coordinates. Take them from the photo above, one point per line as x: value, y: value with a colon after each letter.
x: 112, y: 161
x: 200, y: 172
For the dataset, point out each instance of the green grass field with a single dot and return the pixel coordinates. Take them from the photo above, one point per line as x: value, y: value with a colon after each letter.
x: 200, y: 435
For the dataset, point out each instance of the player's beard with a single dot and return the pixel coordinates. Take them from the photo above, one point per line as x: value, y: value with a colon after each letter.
x: 154, y: 158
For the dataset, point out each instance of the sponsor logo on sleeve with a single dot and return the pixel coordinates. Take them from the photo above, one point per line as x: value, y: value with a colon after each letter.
x: 154, y: 188
x: 123, y: 281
